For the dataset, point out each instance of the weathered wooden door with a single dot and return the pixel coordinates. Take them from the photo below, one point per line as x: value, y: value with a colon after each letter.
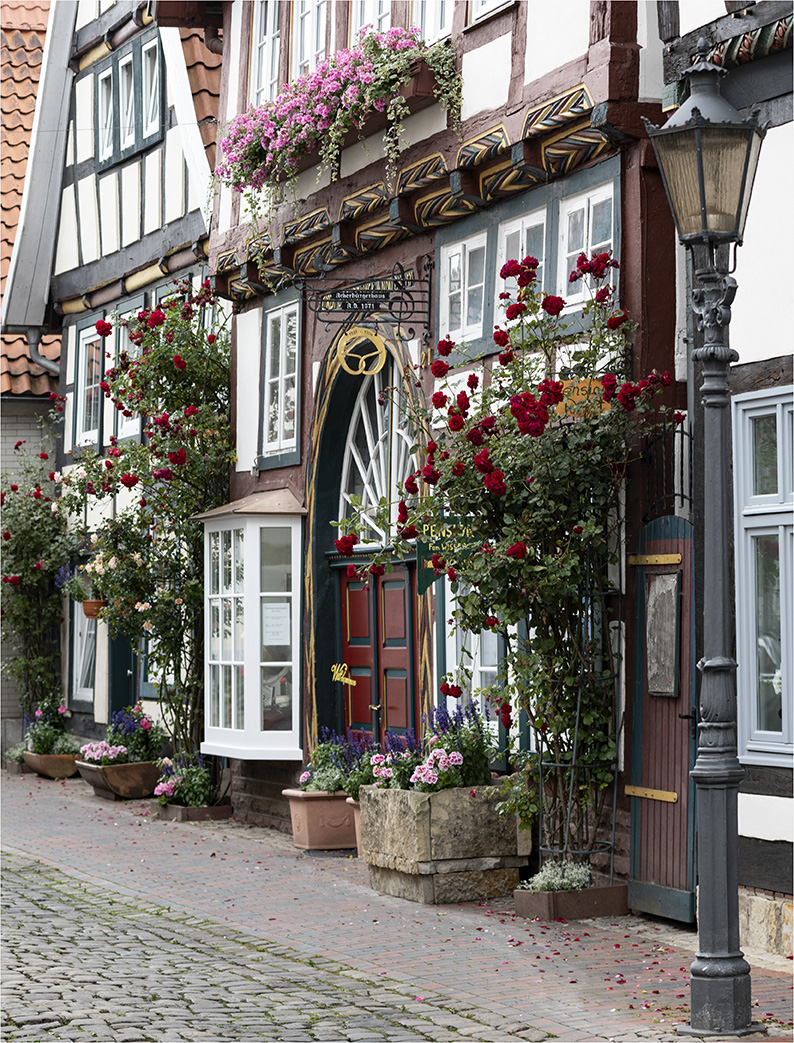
x: 662, y: 875
x: 377, y: 668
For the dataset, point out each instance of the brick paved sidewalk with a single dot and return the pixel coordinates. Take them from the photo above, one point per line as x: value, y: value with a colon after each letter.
x: 592, y: 981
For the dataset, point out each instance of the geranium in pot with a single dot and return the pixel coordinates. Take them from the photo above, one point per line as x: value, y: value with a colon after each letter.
x: 49, y: 750
x: 186, y: 792
x: 321, y: 817
x: 125, y: 764
x: 564, y: 890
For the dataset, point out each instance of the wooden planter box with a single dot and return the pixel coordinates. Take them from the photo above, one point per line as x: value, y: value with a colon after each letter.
x: 320, y: 820
x: 437, y: 848
x: 611, y: 900
x: 203, y: 813
x: 52, y: 765
x: 121, y: 781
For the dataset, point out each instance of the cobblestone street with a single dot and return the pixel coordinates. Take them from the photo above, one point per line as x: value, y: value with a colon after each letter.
x: 120, y: 927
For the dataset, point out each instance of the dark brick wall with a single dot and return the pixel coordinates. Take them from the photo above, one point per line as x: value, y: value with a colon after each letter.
x: 256, y: 792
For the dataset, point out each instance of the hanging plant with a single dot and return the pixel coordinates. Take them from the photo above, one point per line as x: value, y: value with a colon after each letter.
x: 317, y: 111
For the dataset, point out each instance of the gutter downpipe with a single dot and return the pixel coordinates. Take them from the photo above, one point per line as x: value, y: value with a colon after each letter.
x: 212, y: 41
x: 33, y: 337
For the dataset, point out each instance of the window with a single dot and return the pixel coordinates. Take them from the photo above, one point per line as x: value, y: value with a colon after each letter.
x: 375, y: 13
x: 482, y: 8
x: 128, y: 426
x: 586, y: 226
x: 280, y: 362
x: 105, y: 114
x: 433, y: 18
x: 522, y: 237
x: 463, y: 288
x: 87, y: 393
x: 126, y: 79
x: 126, y: 103
x: 309, y: 35
x: 252, y: 637
x: 265, y: 51
x: 83, y: 655
x: 762, y: 432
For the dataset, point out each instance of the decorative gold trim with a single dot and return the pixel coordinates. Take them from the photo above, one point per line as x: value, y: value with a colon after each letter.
x: 355, y: 336
x: 654, y: 559
x: 651, y: 794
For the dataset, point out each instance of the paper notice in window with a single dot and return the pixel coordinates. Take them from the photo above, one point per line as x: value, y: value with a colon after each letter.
x: 275, y: 624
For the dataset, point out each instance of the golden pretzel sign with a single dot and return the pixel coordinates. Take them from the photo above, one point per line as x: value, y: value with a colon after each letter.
x: 363, y: 363
x: 341, y: 672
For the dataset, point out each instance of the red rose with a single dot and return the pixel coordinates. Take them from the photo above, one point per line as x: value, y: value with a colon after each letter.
x: 473, y: 381
x: 345, y: 544
x: 552, y: 305
x: 679, y: 418
x: 458, y: 468
x: 482, y: 462
x: 376, y: 570
x: 445, y: 346
x: 129, y: 480
x: 602, y: 296
x: 410, y: 532
x: 211, y: 338
x: 191, y: 411
x: 475, y: 436
x: 463, y: 401
x: 410, y: 485
x: 501, y: 337
x: 142, y: 501
x: 431, y: 447
x: 666, y: 379
x: 577, y: 529
x: 505, y: 358
x: 430, y: 475
x: 614, y: 321
x: 157, y: 318
x: 551, y: 392
x: 44, y: 456
x: 626, y: 397
x: 495, y: 483
x: 514, y: 310
x: 13, y: 488
x: 177, y: 457
x: 104, y: 329
x: 352, y: 571
x: 517, y: 551
x: 439, y: 368
x: 163, y: 473
x: 509, y: 270
x: 456, y: 422
x: 439, y: 399
x: 492, y: 621
x: 488, y: 423
x: 179, y: 362
x: 451, y: 574
x: 6, y: 535
x: 402, y: 512
x: 19, y: 443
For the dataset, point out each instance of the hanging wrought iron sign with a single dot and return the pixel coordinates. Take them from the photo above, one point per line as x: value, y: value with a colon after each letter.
x: 402, y: 297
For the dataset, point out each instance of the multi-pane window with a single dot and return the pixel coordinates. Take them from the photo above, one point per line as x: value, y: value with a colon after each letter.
x: 225, y: 650
x: 481, y: 8
x: 433, y: 18
x: 87, y: 393
x: 150, y: 72
x: 309, y: 35
x: 252, y: 646
x: 280, y: 364
x: 764, y: 569
x: 463, y: 288
x: 373, y: 13
x: 127, y: 102
x: 265, y: 51
x: 105, y: 114
x: 522, y: 237
x: 83, y: 656
x: 127, y: 426
x: 586, y: 226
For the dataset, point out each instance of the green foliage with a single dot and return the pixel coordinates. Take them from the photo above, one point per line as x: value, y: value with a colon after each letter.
x: 138, y: 732
x: 324, y: 771
x: 36, y: 544
x: 147, y: 558
x: 47, y: 733
x: 14, y: 753
x: 185, y: 782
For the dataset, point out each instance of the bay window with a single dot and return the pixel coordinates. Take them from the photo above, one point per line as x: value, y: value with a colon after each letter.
x: 252, y: 646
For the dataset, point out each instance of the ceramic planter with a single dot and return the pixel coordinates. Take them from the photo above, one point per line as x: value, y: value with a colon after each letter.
x: 354, y: 804
x: 435, y: 848
x: 92, y: 608
x: 203, y: 813
x: 52, y: 765
x: 320, y: 820
x: 121, y: 781
x: 611, y: 900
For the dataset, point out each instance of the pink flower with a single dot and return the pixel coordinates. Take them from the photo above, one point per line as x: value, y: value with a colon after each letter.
x: 146, y: 724
x: 37, y: 714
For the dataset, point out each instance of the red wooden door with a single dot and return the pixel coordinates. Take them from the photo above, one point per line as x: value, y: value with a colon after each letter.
x: 662, y: 877
x: 378, y: 649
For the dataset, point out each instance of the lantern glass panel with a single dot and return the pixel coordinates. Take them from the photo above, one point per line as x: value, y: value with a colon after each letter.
x: 724, y: 157
x: 678, y: 157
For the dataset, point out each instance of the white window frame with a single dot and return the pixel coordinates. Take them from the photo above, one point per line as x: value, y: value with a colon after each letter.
x: 310, y: 23
x: 374, y: 13
x: 84, y: 643
x: 519, y: 226
x: 87, y: 435
x: 104, y: 86
x: 576, y: 293
x: 467, y: 330
x: 281, y: 443
x: 483, y: 8
x: 756, y: 516
x: 265, y: 51
x: 433, y: 18
x: 126, y: 427
x: 126, y: 103
x: 150, y: 80
x: 246, y: 738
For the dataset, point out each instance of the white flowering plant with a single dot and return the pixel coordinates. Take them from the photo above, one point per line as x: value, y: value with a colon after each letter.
x: 559, y: 876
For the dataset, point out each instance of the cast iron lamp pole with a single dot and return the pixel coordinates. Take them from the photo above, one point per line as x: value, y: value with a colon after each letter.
x: 708, y: 157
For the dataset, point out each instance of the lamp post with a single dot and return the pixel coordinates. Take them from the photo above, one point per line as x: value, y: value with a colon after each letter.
x: 708, y: 157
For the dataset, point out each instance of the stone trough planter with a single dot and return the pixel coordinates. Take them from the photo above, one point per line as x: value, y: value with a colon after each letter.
x: 438, y: 848
x: 132, y: 781
x: 51, y: 765
x: 610, y: 900
x: 202, y: 813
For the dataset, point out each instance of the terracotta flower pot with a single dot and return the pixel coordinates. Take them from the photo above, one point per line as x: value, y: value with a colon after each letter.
x: 320, y: 820
x: 203, y: 813
x: 92, y: 608
x: 354, y: 804
x: 121, y: 781
x: 611, y: 900
x: 52, y: 765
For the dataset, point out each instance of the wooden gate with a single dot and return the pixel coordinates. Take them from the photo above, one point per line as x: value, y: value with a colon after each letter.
x: 378, y: 641
x: 662, y: 874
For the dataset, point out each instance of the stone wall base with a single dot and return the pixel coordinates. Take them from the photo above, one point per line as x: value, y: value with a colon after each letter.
x: 765, y: 923
x: 444, y: 888
x: 256, y: 792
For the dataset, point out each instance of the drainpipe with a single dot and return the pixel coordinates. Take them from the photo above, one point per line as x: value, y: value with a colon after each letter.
x: 211, y: 40
x: 33, y: 337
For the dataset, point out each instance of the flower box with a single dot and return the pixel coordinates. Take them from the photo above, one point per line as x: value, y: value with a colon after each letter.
x: 203, y: 813
x: 609, y: 900
x: 320, y: 820
x: 436, y: 848
x: 121, y: 781
x: 52, y: 765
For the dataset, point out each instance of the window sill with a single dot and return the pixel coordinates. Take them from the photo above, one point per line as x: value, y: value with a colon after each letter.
x: 251, y: 753
x: 489, y: 16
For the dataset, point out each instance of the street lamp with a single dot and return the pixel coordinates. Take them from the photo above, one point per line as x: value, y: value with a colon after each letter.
x: 708, y: 157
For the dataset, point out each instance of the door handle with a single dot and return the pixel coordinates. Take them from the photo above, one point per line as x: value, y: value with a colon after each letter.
x: 129, y: 673
x: 692, y: 718
x: 374, y: 707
